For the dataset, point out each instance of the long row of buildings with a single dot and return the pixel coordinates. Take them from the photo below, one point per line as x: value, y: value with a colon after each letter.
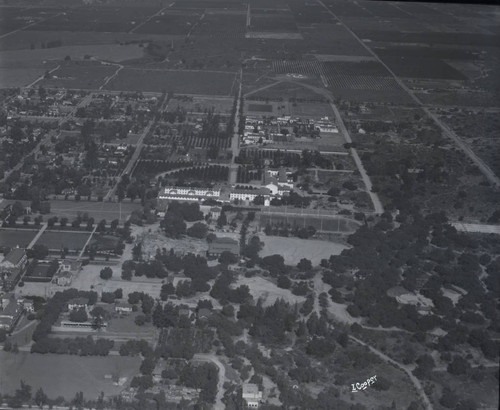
x: 274, y: 184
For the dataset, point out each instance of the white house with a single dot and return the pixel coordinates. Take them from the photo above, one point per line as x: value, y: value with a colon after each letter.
x: 251, y: 395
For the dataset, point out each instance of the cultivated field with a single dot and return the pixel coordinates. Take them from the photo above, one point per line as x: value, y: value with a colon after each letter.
x: 183, y: 82
x: 65, y: 375
x: 294, y: 249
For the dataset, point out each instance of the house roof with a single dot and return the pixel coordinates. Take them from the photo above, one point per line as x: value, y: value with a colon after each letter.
x: 250, y: 388
x: 11, y: 310
x: 78, y: 301
x: 220, y: 245
x: 14, y: 256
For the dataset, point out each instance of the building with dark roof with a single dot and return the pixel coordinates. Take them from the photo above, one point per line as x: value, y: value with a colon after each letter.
x: 220, y: 245
x: 10, y: 315
x: 12, y: 267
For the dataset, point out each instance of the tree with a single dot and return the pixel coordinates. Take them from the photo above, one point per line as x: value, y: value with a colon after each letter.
x: 459, y: 365
x: 227, y: 258
x: 198, y: 230
x: 304, y: 265
x: 38, y: 251
x: 284, y: 282
x: 40, y: 398
x: 106, y: 273
x: 78, y: 315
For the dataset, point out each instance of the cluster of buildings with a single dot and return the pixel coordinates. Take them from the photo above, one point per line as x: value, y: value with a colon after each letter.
x: 264, y: 131
x: 274, y: 184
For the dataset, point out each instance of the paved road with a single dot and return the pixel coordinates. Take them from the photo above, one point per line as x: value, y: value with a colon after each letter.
x: 418, y: 386
x: 483, y: 167
x: 42, y: 230
x: 222, y: 376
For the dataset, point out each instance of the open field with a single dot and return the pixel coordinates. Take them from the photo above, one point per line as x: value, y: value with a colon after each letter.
x: 21, y: 77
x: 16, y: 237
x: 25, y: 40
x: 56, y: 240
x: 35, y: 58
x: 177, y: 81
x: 294, y: 249
x: 65, y: 375
x: 338, y: 224
x: 79, y: 75
x: 108, y: 19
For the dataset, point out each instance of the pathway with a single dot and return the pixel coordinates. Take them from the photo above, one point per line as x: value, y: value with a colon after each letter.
x: 219, y: 405
x: 42, y: 230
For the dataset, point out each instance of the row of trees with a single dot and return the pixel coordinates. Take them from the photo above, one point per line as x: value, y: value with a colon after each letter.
x: 82, y: 346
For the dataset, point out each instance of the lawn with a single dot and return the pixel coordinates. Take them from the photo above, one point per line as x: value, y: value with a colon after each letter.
x: 64, y: 375
x: 294, y: 249
x: 74, y: 241
x: 16, y: 237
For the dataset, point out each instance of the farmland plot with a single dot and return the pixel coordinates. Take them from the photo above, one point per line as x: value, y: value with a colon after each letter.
x: 79, y: 76
x: 177, y: 81
x: 170, y: 23
x: 74, y: 241
x: 221, y: 25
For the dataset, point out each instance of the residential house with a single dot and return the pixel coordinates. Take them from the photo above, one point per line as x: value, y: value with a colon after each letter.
x: 78, y: 303
x: 123, y: 308
x: 251, y: 395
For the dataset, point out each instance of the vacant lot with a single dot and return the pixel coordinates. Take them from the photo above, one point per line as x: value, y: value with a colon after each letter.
x: 294, y: 249
x: 16, y: 237
x: 184, y: 82
x: 66, y: 375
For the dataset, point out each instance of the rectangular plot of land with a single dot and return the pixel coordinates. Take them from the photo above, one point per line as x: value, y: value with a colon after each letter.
x: 74, y: 241
x: 260, y: 107
x: 16, y: 237
x: 177, y: 81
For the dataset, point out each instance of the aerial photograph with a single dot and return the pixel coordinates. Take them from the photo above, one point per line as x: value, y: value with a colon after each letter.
x: 249, y: 204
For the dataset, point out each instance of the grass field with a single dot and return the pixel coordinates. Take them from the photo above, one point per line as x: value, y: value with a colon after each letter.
x: 183, y: 82
x: 96, y: 210
x: 294, y: 249
x: 65, y: 375
x: 16, y: 237
x: 79, y: 75
x: 338, y: 224
x: 74, y: 241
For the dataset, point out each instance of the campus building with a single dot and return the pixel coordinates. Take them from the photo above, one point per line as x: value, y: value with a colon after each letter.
x: 10, y: 315
x: 251, y: 395
x: 12, y: 267
x: 189, y: 194
x: 220, y: 245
